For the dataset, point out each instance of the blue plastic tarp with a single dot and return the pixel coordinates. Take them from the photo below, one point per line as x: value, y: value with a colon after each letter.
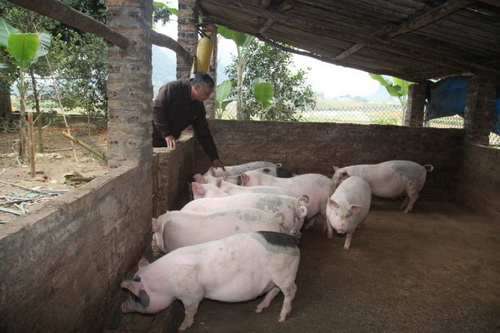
x: 448, y: 98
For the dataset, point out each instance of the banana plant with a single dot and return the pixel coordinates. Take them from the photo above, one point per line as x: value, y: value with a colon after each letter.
x: 397, y: 88
x: 222, y: 99
x: 25, y: 49
x: 242, y: 42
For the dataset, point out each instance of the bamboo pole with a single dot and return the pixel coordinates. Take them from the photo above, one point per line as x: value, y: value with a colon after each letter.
x: 31, y: 144
x: 98, y: 154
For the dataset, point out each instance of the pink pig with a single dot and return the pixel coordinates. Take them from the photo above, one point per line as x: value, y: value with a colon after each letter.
x: 233, y: 269
x: 316, y: 186
x: 390, y: 179
x: 176, y: 229
x: 348, y: 207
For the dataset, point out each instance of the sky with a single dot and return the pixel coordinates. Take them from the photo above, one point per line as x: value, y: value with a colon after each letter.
x: 330, y: 80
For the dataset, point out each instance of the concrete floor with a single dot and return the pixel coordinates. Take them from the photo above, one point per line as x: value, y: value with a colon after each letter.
x: 436, y: 269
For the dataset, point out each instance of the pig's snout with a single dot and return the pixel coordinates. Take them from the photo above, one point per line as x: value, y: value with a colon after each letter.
x: 341, y: 229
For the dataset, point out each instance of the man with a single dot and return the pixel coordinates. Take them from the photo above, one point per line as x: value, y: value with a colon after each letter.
x: 180, y: 104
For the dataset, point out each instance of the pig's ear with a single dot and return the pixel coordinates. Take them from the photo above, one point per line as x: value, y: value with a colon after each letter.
x: 199, y: 178
x: 280, y: 217
x: 155, y: 224
x: 132, y: 286
x: 302, y: 212
x: 335, y: 168
x: 333, y: 204
x: 218, y: 182
x: 211, y: 171
x: 198, y: 190
x: 143, y: 263
x: 304, y: 200
x: 244, y: 178
x: 355, y: 208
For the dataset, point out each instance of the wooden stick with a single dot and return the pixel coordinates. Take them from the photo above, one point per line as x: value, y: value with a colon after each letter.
x: 86, y: 146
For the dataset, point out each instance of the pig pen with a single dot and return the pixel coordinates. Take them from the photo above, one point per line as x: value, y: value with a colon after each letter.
x: 62, y: 265
x: 433, y: 270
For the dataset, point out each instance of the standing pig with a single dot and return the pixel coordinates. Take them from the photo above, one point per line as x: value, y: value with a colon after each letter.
x: 390, y: 179
x: 293, y: 209
x: 348, y: 207
x: 233, y: 269
x: 176, y: 229
x: 316, y: 186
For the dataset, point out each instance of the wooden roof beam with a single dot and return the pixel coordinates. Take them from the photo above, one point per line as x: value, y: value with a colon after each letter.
x: 374, y: 42
x: 430, y: 16
x: 67, y: 15
x: 283, y: 6
x: 417, y: 22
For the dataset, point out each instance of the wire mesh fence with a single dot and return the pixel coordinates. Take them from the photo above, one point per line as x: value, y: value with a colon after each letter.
x: 388, y: 114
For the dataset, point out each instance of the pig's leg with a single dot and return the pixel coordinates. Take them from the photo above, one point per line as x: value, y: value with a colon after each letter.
x: 289, y: 293
x: 348, y: 238
x: 190, y: 309
x: 412, y: 196
x: 329, y: 229
x: 271, y: 294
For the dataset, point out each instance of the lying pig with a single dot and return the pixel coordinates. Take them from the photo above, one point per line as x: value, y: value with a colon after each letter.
x: 237, y: 169
x: 294, y: 209
x: 348, y: 207
x: 233, y: 269
x: 176, y: 229
x: 316, y: 186
x: 390, y: 179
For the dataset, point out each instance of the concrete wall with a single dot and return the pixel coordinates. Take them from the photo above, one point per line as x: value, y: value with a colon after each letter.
x: 61, y: 267
x: 315, y: 147
x: 479, y: 185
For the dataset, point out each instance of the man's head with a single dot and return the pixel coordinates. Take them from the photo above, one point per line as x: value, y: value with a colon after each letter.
x: 202, y: 86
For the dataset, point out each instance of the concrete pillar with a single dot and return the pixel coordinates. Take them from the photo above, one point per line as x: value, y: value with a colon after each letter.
x: 130, y: 90
x: 478, y: 116
x: 414, y: 116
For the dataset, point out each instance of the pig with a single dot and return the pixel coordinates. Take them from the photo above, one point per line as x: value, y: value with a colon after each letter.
x: 237, y: 268
x: 236, y: 189
x: 390, y: 179
x: 176, y: 229
x: 276, y: 171
x: 347, y: 207
x: 317, y: 187
x: 222, y: 188
x: 294, y: 209
x: 236, y: 169
x: 208, y: 190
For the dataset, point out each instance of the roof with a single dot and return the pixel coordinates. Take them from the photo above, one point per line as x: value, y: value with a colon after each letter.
x: 414, y: 40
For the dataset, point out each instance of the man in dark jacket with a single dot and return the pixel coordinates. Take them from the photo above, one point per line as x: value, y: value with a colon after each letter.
x: 180, y: 104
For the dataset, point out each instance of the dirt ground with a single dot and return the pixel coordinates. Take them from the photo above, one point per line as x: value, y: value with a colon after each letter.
x: 56, y: 169
x: 436, y: 269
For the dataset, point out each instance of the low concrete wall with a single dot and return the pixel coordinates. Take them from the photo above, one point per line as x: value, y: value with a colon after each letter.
x: 315, y: 147
x: 61, y: 267
x: 173, y: 172
x: 479, y: 185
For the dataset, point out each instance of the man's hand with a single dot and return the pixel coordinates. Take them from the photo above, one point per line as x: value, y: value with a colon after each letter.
x: 170, y: 141
x: 218, y: 164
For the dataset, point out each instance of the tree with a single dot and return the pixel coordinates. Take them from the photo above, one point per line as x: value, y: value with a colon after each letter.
x: 242, y: 42
x: 397, y: 88
x: 291, y: 92
x: 25, y: 49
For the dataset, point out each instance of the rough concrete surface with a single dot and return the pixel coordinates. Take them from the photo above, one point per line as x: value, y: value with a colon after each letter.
x: 436, y: 269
